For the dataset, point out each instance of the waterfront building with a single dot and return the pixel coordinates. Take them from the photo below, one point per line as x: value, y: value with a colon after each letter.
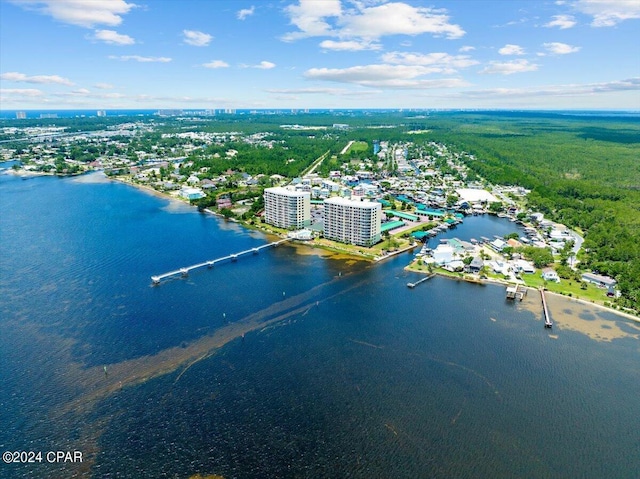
x: 352, y: 222
x: 189, y: 193
x: 289, y: 209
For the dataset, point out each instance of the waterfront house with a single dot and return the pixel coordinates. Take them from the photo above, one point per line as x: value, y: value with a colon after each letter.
x: 600, y: 281
x: 523, y: 266
x: 549, y: 274
x: 443, y: 254
x: 191, y: 193
x: 476, y: 265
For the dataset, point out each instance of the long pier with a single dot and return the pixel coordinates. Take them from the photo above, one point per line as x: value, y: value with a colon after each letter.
x: 547, y: 319
x: 209, y: 264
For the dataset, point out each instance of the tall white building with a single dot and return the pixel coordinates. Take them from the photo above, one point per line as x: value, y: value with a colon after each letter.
x: 288, y: 209
x: 351, y: 221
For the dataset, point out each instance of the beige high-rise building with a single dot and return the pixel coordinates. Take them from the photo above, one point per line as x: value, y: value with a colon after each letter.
x: 287, y: 209
x: 351, y: 221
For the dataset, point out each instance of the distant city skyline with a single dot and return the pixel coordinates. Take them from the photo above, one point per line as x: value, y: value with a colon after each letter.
x: 317, y: 54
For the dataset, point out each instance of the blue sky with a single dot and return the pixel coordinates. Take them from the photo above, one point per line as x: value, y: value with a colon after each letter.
x: 114, y: 54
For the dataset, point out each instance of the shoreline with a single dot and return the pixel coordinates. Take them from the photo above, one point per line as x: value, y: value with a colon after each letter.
x: 530, y: 288
x: 374, y: 259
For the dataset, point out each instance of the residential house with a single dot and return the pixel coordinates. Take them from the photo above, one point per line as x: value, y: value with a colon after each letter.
x: 549, y: 274
x: 601, y: 281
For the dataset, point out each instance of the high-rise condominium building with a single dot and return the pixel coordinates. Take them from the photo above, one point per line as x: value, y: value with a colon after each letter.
x: 352, y: 222
x: 287, y: 208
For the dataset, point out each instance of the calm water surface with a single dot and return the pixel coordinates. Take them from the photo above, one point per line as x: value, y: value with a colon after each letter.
x: 288, y: 363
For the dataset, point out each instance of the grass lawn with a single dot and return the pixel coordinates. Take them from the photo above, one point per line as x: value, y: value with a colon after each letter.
x: 359, y: 146
x: 567, y: 287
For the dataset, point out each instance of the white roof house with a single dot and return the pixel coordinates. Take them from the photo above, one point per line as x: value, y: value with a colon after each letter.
x: 549, y: 274
x: 443, y: 254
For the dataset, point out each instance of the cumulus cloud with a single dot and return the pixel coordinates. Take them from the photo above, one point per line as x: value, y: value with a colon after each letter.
x: 398, y: 18
x: 466, y: 48
x: 509, y: 68
x: 562, y: 22
x: 83, y: 13
x: 246, y: 12
x: 104, y: 86
x: 310, y: 18
x: 326, y: 18
x: 22, y: 78
x: 216, y: 64
x: 557, y: 48
x: 509, y: 49
x: 349, y: 45
x: 196, y: 38
x: 113, y: 37
x: 384, y: 76
x: 141, y: 59
x: 608, y: 13
x: 322, y: 91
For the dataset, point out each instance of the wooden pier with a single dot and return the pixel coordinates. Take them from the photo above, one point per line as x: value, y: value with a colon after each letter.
x: 516, y: 292
x: 209, y: 264
x: 547, y: 319
x: 413, y: 285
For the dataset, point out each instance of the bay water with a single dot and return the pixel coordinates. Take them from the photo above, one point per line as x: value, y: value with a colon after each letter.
x: 293, y: 362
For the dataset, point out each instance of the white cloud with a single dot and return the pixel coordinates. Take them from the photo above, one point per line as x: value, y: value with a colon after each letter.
x: 263, y: 65
x: 196, y: 38
x: 104, y: 86
x: 216, y: 64
x: 384, y: 76
x: 83, y: 13
x: 367, y: 22
x: 561, y: 21
x: 398, y: 18
x: 42, y: 79
x: 631, y: 84
x: 113, y: 37
x: 246, y: 12
x: 608, y: 13
x: 309, y: 16
x: 557, y: 48
x: 509, y: 49
x: 322, y: 91
x: 466, y: 48
x: 21, y: 92
x: 349, y: 45
x: 140, y: 59
x: 508, y: 68
x: 438, y: 62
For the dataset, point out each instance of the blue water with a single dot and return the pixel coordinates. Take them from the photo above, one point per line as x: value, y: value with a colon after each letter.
x: 362, y: 376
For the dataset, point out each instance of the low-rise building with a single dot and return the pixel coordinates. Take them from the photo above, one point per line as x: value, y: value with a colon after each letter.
x: 550, y: 274
x: 601, y: 281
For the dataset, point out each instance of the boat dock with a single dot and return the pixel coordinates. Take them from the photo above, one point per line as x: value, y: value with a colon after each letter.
x: 209, y: 264
x: 516, y: 292
x: 547, y: 319
x: 413, y: 285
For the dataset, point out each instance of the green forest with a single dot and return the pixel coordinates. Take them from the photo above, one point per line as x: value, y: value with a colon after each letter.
x: 582, y: 172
